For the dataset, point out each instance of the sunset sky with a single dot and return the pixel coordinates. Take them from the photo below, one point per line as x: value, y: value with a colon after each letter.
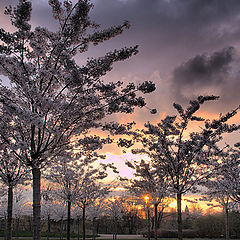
x: 187, y: 47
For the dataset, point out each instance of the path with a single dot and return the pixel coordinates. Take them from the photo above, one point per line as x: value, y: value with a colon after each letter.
x: 120, y: 236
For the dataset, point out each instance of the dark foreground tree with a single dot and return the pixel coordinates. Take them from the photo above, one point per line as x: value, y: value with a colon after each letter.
x: 51, y: 98
x: 12, y: 173
x: 182, y: 156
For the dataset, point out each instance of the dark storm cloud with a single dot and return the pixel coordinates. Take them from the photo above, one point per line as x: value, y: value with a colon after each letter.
x: 203, y: 69
x: 216, y: 73
x: 169, y: 31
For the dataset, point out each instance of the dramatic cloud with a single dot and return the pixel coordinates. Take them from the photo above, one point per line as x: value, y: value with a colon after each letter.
x: 208, y: 74
x: 203, y: 69
x: 169, y: 33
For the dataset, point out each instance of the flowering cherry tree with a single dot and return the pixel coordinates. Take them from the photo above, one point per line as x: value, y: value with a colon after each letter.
x: 47, y: 206
x: 95, y: 211
x: 59, y: 214
x: 219, y: 194
x: 224, y: 186
x: 114, y: 208
x: 21, y: 205
x: 149, y: 182
x: 229, y: 172
x: 183, y: 157
x: 76, y: 181
x: 90, y: 191
x: 51, y: 98
x: 12, y: 173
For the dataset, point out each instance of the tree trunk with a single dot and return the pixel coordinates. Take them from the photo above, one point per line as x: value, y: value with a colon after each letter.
x: 5, y: 226
x: 179, y: 210
x: 78, y: 228
x: 115, y: 228
x: 94, y: 229
x: 159, y: 220
x: 84, y: 224
x: 155, y: 220
x: 36, y: 173
x: 17, y: 227
x: 227, y: 223
x: 148, y: 224
x: 49, y: 227
x: 68, y: 218
x: 9, y: 213
x: 97, y: 229
x: 61, y: 229
x: 30, y: 223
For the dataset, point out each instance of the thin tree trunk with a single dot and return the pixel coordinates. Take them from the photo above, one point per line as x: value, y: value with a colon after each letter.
x: 94, y: 229
x: 115, y: 228
x: 160, y: 216
x: 78, y: 226
x: 30, y: 222
x: 36, y: 173
x: 84, y: 224
x: 97, y: 230
x: 68, y: 218
x: 9, y: 213
x: 148, y: 223
x: 179, y: 210
x: 61, y: 229
x: 5, y: 226
x: 49, y: 227
x: 17, y: 227
x: 155, y: 220
x: 227, y: 223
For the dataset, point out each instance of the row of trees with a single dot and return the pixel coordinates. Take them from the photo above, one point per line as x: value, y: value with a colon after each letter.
x: 181, y: 161
x: 118, y: 215
x: 51, y: 104
x: 105, y: 214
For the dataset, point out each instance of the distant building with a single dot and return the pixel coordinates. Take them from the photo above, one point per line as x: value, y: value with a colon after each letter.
x: 187, y: 212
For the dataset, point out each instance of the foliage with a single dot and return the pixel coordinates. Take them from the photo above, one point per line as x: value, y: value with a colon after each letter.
x: 179, y: 154
x: 183, y: 157
x: 51, y: 98
x: 228, y: 174
x: 147, y: 181
x: 212, y: 226
x: 77, y: 181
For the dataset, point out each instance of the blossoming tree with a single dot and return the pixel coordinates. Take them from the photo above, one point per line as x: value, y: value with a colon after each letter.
x: 229, y: 172
x: 185, y: 157
x: 51, y: 98
x: 114, y: 208
x: 90, y: 192
x: 76, y: 181
x: 12, y: 173
x: 149, y: 182
x: 224, y: 184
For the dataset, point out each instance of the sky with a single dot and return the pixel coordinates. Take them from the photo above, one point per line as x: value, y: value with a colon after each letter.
x: 187, y: 47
